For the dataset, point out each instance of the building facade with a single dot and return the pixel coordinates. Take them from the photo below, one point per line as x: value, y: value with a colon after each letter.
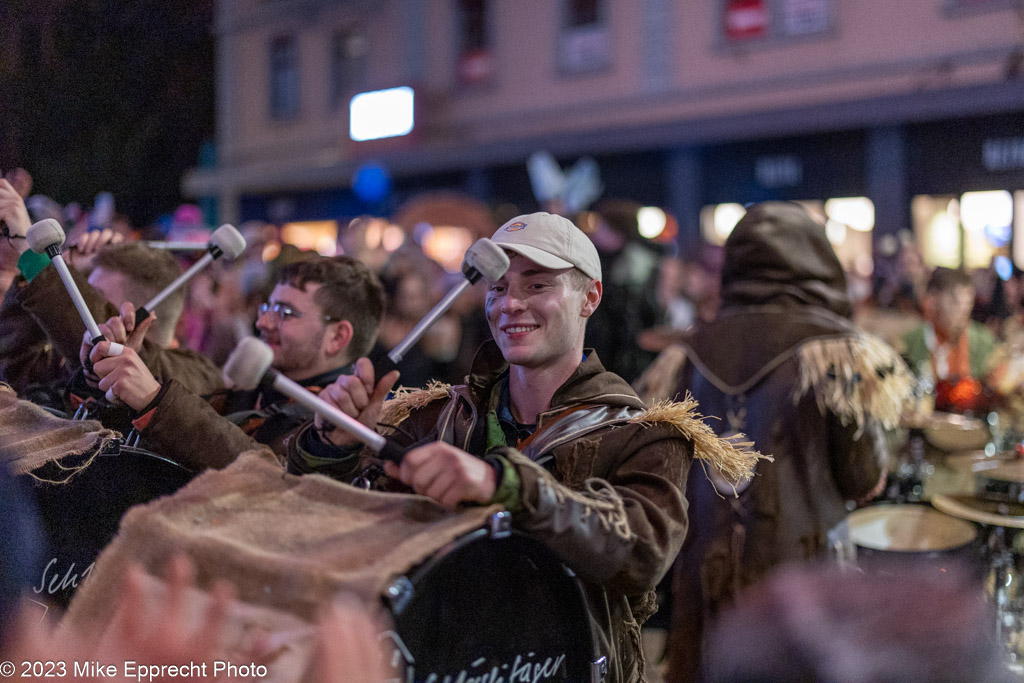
x: 684, y: 105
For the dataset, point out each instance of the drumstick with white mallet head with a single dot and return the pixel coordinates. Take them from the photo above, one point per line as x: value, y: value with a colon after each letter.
x: 248, y: 367
x: 484, y: 259
x: 46, y: 237
x: 177, y: 246
x: 225, y: 241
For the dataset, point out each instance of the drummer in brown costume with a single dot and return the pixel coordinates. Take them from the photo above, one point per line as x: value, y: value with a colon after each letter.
x: 543, y: 429
x: 324, y: 313
x: 783, y: 364
x: 40, y: 332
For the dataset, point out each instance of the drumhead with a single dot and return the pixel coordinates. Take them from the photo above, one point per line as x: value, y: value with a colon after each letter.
x: 493, y: 609
x: 81, y: 515
x: 908, y: 528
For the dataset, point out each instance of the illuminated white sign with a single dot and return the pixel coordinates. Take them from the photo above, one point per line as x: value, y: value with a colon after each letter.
x: 381, y: 114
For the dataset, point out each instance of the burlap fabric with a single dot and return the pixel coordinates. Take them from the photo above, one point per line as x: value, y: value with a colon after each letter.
x: 31, y: 437
x: 251, y: 635
x: 289, y: 543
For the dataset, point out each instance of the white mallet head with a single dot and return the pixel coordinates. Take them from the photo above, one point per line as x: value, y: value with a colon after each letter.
x: 248, y: 364
x: 228, y: 240
x: 487, y: 258
x: 45, y: 234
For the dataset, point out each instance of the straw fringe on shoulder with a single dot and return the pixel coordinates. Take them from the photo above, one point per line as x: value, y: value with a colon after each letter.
x: 855, y: 377
x: 406, y: 400
x: 731, y: 456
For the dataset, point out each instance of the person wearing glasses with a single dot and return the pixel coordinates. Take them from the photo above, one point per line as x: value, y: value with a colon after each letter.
x: 323, y: 314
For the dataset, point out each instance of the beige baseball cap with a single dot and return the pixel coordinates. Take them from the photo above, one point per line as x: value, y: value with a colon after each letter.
x: 551, y: 241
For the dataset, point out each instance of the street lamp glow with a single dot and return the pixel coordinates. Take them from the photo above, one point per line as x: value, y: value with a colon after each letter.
x: 650, y: 221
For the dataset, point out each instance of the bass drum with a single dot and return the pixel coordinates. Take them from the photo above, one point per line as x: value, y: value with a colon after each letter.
x: 492, y: 606
x: 81, y: 504
x: 886, y: 532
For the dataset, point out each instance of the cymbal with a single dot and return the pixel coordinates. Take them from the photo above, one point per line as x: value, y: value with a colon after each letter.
x: 980, y: 510
x: 955, y: 433
x: 1011, y: 471
x: 977, y: 462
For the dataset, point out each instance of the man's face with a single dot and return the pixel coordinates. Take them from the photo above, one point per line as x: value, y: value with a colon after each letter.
x: 298, y: 338
x: 951, y: 311
x: 535, y: 314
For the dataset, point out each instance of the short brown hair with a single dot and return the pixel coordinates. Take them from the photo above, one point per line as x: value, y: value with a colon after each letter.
x: 150, y: 271
x: 348, y: 291
x: 947, y: 279
x: 579, y: 280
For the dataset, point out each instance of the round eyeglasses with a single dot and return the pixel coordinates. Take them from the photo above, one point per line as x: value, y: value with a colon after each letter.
x: 283, y: 312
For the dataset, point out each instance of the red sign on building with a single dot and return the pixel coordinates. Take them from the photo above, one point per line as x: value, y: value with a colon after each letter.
x: 745, y: 19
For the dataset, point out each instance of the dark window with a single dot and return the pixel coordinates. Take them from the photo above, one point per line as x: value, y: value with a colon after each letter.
x: 473, y: 25
x: 474, y: 65
x: 580, y: 13
x: 284, y: 78
x: 348, y: 65
x: 584, y: 41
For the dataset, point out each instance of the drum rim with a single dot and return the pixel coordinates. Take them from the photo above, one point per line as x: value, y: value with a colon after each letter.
x: 872, y: 512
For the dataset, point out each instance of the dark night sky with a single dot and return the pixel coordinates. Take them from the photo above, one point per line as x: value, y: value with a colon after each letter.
x: 106, y: 95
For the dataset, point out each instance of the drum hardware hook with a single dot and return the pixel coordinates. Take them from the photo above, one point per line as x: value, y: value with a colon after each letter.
x: 599, y: 670
x: 400, y: 593
x: 501, y: 524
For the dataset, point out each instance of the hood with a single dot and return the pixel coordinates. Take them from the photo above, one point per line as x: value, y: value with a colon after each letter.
x: 778, y: 254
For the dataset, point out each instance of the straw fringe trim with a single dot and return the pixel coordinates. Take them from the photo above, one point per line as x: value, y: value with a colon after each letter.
x: 856, y: 378
x: 731, y: 456
x: 406, y: 400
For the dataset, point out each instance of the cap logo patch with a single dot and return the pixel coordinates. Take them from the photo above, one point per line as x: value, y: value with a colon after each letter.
x: 518, y: 225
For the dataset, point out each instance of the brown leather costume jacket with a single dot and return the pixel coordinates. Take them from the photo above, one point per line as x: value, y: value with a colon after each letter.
x: 41, y: 332
x: 602, y: 490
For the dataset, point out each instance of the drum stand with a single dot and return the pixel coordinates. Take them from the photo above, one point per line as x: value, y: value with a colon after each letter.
x: 132, y: 438
x: 1007, y: 595
x: 906, y: 481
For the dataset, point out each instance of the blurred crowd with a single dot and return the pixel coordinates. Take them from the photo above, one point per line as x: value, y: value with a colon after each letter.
x: 653, y: 291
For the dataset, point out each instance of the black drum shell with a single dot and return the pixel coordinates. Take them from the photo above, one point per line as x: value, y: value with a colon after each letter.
x: 511, y: 600
x: 82, y: 510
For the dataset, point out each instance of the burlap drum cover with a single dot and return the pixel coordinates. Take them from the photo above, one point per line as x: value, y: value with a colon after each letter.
x: 252, y: 635
x: 30, y: 437
x: 289, y: 543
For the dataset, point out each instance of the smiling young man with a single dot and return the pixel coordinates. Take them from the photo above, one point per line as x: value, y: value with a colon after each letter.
x: 322, y: 314
x: 543, y: 429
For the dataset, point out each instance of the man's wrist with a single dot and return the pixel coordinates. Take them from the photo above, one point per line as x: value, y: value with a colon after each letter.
x: 508, y: 486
